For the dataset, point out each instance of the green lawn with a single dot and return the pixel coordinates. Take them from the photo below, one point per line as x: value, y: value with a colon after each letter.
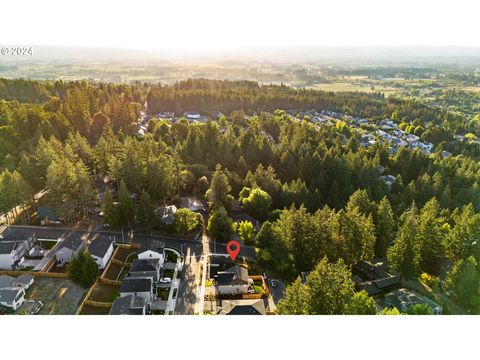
x: 47, y: 245
x: 170, y: 256
x: 162, y: 293
x: 168, y: 273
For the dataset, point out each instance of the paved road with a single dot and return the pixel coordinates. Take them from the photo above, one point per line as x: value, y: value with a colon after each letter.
x: 189, y: 293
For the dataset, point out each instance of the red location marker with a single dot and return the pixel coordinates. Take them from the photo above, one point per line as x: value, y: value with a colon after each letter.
x: 236, y: 249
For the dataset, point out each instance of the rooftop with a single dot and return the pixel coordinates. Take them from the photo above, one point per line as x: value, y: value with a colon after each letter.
x: 128, y: 305
x: 142, y: 265
x: 100, y: 246
x: 136, y: 284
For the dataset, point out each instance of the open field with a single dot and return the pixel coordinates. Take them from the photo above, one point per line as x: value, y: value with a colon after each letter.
x: 60, y: 296
x: 348, y: 86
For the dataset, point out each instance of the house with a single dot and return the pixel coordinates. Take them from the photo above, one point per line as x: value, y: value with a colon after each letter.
x: 192, y: 204
x: 152, y: 249
x: 403, y: 299
x: 373, y: 278
x: 195, y: 117
x: 128, y: 305
x: 23, y: 281
x: 166, y: 214
x: 146, y: 268
x: 101, y: 250
x: 11, y: 254
x: 69, y: 248
x: 243, y: 307
x: 233, y: 281
x: 138, y: 286
x: 12, y: 297
x: 12, y: 290
x: 389, y: 180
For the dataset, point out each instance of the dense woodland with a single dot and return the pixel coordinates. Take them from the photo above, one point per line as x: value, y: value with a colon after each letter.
x: 318, y: 192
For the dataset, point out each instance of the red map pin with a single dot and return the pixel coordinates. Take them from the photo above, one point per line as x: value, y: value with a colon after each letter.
x: 236, y: 249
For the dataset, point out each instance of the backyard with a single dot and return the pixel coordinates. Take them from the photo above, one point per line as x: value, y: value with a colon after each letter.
x: 60, y: 296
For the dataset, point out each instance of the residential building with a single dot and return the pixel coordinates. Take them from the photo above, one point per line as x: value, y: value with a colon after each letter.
x: 192, y: 204
x: 101, y: 250
x: 138, y: 286
x: 373, y: 278
x: 166, y: 214
x: 69, y: 248
x: 12, y: 297
x: 152, y: 249
x: 11, y: 254
x: 403, y: 299
x: 128, y: 305
x: 232, y: 281
x: 146, y: 268
x: 243, y: 307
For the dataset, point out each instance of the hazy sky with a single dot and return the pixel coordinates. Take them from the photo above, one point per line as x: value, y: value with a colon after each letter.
x: 229, y: 24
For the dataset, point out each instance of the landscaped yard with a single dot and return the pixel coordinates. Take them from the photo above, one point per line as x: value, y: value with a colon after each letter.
x: 113, y: 271
x: 170, y: 256
x: 59, y: 296
x: 162, y: 293
x: 47, y: 245
x: 123, y: 254
x: 105, y: 293
x: 168, y: 273
x: 258, y: 286
x: 93, y: 310
x: 124, y: 273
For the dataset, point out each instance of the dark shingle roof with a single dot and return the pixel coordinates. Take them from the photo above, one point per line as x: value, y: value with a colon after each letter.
x: 234, y: 275
x: 7, y: 247
x: 128, y: 305
x: 72, y: 242
x: 244, y: 310
x: 100, y: 246
x: 8, y: 295
x: 131, y: 284
x: 224, y: 278
x: 140, y: 265
x: 153, y: 245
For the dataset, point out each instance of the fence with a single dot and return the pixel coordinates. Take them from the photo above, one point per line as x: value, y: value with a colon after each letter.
x: 33, y: 273
x: 85, y: 299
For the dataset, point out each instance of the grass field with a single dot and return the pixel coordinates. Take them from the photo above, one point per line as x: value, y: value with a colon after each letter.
x: 60, y: 296
x: 352, y: 86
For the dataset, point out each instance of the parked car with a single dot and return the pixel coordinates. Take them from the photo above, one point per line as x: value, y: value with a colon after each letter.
x: 166, y: 280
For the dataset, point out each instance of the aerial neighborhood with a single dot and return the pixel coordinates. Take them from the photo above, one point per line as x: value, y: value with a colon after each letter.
x: 136, y: 215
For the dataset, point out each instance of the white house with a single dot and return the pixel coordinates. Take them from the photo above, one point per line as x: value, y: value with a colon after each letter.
x: 152, y: 249
x: 138, y: 286
x: 101, y: 250
x: 11, y: 253
x: 232, y: 281
x: 12, y: 297
x: 69, y: 248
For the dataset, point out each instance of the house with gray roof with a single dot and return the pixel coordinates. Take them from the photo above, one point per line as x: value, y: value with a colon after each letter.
x: 128, y: 305
x: 146, y: 267
x: 12, y: 297
x: 233, y: 280
x: 138, y: 286
x: 101, y: 250
x: 69, y: 248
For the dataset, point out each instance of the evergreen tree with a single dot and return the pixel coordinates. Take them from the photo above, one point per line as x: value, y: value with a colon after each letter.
x: 404, y: 255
